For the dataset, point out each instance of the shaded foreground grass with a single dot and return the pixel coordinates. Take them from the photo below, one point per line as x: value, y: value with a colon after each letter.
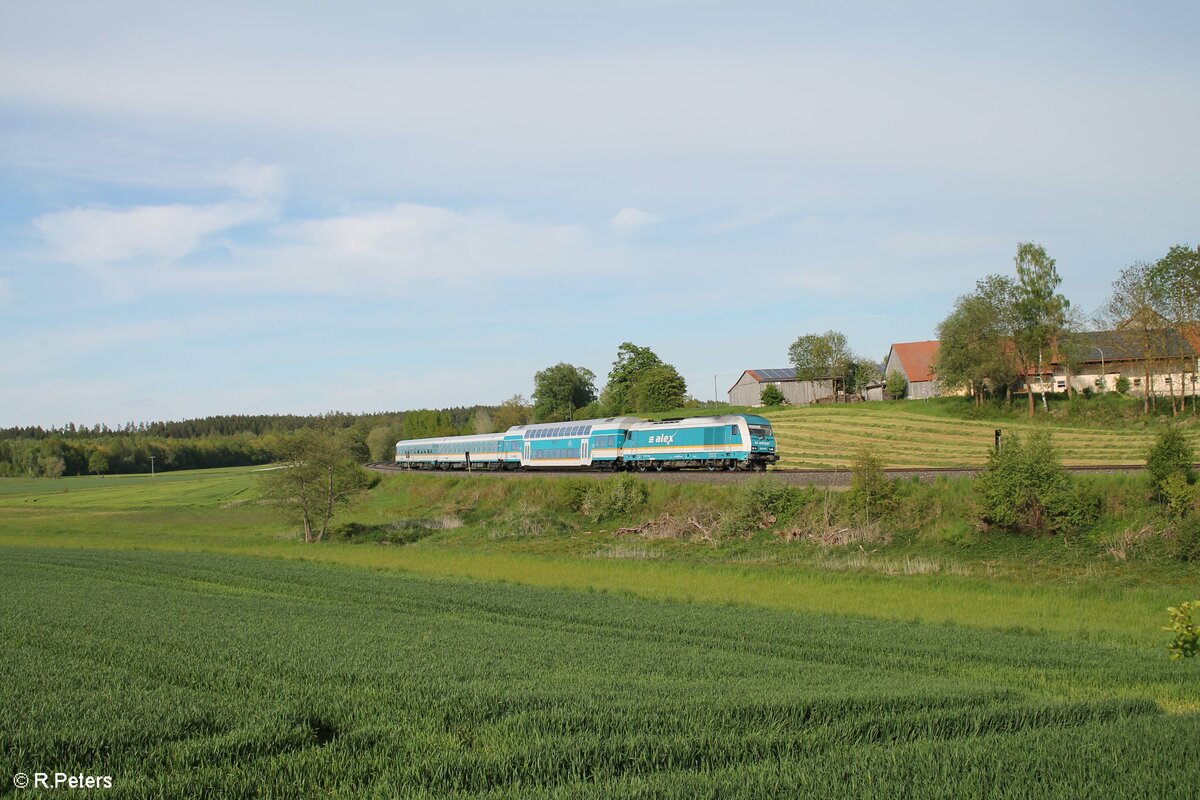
x: 218, y: 675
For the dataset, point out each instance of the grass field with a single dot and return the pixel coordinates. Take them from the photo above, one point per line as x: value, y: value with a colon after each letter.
x: 171, y: 633
x: 908, y: 435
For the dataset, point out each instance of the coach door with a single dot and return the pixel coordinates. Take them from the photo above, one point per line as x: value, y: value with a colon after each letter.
x: 527, y: 451
x: 583, y: 448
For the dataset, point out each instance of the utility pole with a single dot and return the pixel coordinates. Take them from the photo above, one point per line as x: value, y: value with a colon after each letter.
x: 714, y: 393
x: 151, y: 466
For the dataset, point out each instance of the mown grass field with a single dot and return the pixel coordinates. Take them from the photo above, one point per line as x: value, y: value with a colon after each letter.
x: 908, y: 435
x: 172, y: 633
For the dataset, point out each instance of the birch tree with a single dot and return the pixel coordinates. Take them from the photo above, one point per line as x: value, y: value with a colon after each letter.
x: 1040, y: 311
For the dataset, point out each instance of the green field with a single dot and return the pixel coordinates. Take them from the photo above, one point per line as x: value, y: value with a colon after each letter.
x: 171, y: 633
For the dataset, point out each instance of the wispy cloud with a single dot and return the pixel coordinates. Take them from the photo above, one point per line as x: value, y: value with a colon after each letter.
x: 253, y: 180
x: 166, y: 232
x: 631, y: 218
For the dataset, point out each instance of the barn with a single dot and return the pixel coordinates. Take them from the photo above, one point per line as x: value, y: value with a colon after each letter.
x: 748, y: 389
x: 915, y: 360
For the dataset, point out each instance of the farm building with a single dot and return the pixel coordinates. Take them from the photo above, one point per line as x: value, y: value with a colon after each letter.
x: 1100, y: 358
x: 748, y: 389
x: 914, y: 360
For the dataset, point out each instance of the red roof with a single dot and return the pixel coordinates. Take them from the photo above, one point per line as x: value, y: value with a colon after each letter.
x: 917, y: 359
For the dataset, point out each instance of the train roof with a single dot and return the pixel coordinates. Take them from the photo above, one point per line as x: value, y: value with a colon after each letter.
x: 722, y: 419
x: 604, y: 422
x: 436, y: 439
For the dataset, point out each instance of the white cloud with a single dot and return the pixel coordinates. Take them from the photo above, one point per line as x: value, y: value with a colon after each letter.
x: 168, y: 232
x: 253, y: 180
x: 631, y: 218
x: 392, y: 248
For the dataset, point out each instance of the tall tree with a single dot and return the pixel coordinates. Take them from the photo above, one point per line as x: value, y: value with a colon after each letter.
x: 1176, y: 277
x: 98, y: 462
x: 1072, y: 348
x: 482, y: 422
x: 427, y: 423
x: 1040, y: 311
x: 319, y: 476
x: 513, y: 411
x: 976, y: 349
x: 559, y: 390
x: 381, y: 441
x: 862, y: 372
x: 660, y: 388
x: 1133, y: 308
x: 632, y: 362
x: 822, y: 356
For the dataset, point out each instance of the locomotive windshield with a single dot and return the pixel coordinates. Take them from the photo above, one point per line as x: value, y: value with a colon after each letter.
x: 760, y: 430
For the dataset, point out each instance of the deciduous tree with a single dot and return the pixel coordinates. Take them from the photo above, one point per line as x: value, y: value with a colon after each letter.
x: 1177, y: 280
x: 98, y: 462
x: 660, y: 388
x: 320, y: 475
x: 632, y: 362
x: 822, y: 356
x: 896, y: 386
x: 1133, y: 308
x: 561, y: 389
x: 513, y: 411
x: 1040, y: 311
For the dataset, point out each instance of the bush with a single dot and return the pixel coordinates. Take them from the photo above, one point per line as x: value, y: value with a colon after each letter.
x: 1122, y: 385
x: 872, y: 494
x: 1183, y: 542
x: 1025, y: 487
x: 1186, y: 643
x: 896, y: 386
x: 1178, y: 494
x: 772, y: 396
x: 761, y: 503
x: 1172, y: 454
x: 616, y: 496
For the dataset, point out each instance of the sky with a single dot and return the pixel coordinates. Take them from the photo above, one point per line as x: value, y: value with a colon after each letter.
x: 292, y: 207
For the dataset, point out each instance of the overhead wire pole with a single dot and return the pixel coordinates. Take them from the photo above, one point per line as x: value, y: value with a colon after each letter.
x: 716, y: 378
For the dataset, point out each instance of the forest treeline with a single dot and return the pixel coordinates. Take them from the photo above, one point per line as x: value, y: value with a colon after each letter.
x: 230, y: 440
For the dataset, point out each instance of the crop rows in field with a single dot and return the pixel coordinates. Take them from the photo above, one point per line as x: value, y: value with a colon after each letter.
x: 190, y: 675
x: 826, y: 436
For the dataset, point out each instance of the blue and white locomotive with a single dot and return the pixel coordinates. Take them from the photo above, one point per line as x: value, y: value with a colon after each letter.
x: 734, y: 441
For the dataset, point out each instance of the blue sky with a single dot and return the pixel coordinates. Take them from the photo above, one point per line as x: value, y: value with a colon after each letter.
x: 295, y: 207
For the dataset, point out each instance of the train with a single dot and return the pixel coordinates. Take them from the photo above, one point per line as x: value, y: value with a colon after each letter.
x: 726, y: 442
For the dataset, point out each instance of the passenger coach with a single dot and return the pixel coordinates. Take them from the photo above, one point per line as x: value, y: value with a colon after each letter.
x: 735, y: 441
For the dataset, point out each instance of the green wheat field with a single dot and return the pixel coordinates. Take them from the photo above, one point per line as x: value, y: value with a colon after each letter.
x: 171, y: 633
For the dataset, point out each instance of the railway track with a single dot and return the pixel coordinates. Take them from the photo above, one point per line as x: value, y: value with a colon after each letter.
x: 797, y: 477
